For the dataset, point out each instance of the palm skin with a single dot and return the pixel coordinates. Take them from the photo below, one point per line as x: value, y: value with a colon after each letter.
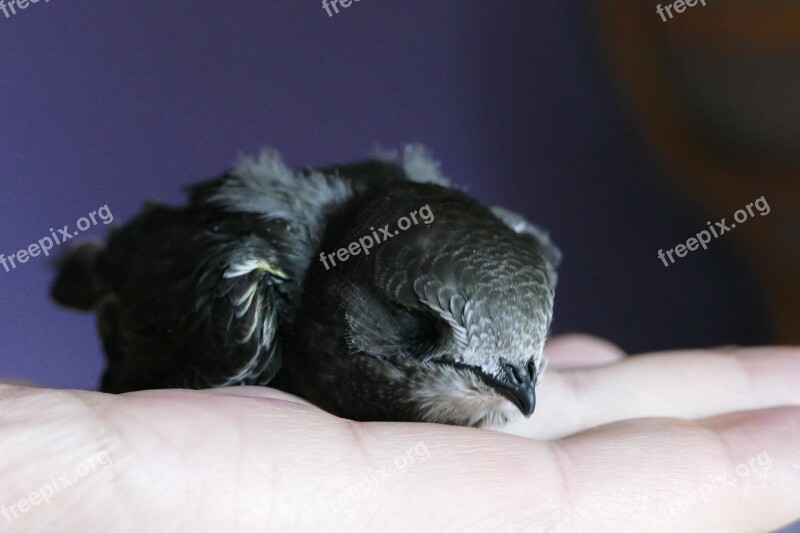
x: 615, y: 445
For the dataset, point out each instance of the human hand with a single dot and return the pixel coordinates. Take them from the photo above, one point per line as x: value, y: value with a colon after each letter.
x: 683, y: 441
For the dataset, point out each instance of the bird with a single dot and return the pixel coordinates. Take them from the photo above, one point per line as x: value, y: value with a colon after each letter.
x: 376, y: 290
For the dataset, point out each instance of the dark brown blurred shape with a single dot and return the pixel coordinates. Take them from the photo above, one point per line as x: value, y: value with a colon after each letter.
x: 716, y: 93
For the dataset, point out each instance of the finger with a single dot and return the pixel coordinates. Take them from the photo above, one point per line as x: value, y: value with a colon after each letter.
x: 688, y: 384
x: 630, y: 476
x: 735, y: 472
x: 577, y: 350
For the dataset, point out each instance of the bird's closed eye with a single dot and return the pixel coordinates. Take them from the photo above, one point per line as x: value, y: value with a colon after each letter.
x: 382, y: 328
x: 424, y: 332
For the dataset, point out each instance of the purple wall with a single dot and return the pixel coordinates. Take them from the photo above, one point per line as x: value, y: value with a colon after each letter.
x: 116, y: 102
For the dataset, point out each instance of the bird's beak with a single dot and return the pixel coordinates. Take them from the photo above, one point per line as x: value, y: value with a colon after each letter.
x: 516, y: 385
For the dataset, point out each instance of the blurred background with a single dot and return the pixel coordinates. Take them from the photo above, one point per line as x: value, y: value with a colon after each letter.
x: 619, y: 132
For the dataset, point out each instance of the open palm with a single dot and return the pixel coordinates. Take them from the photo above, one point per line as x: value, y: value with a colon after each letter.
x: 681, y: 441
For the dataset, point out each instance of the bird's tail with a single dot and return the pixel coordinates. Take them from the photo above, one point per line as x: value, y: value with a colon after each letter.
x: 77, y: 284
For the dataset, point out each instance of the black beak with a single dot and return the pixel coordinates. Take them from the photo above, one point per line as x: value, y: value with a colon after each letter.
x: 516, y: 384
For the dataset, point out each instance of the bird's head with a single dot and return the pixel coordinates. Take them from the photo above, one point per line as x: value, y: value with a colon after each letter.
x: 439, y: 320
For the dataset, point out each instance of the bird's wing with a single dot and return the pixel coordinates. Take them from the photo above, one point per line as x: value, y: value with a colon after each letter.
x: 192, y: 300
x: 198, y: 296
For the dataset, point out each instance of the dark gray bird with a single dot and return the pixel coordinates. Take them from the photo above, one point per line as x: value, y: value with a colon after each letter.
x: 373, y: 290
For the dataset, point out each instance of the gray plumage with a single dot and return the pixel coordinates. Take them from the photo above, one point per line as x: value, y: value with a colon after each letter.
x: 444, y: 321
